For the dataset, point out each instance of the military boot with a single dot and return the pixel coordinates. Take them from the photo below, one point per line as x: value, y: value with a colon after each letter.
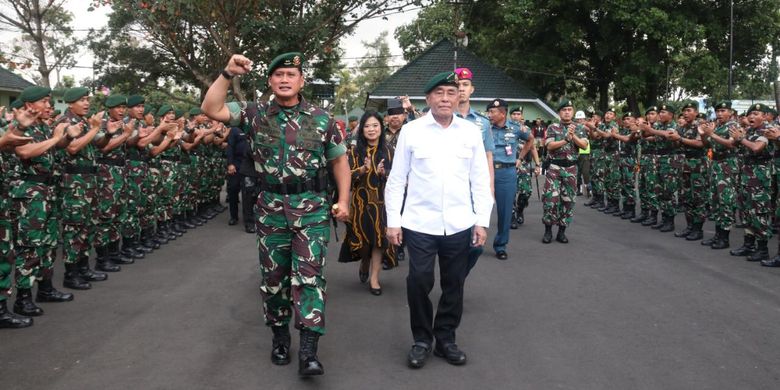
x: 713, y: 239
x: 520, y: 219
x: 47, y: 292
x: 688, y: 228
x: 128, y: 249
x: 599, y: 201
x: 696, y: 233
x: 88, y: 274
x: 117, y: 256
x: 11, y: 320
x: 140, y: 246
x: 193, y: 219
x: 773, y: 262
x: 168, y: 232
x: 761, y: 253
x: 668, y: 225
x: 513, y: 225
x: 308, y: 364
x: 161, y: 237
x: 641, y: 217
x: 147, y: 239
x: 652, y: 218
x: 747, y: 248
x: 592, y: 200
x: 24, y: 304
x: 547, y: 238
x: 629, y: 211
x: 722, y: 241
x: 280, y: 354
x: 661, y: 222
x: 104, y: 261
x: 73, y: 279
x: 177, y: 227
x: 561, y: 236
x: 183, y: 222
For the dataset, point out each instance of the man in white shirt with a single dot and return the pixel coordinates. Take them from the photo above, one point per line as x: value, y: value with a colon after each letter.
x: 447, y: 209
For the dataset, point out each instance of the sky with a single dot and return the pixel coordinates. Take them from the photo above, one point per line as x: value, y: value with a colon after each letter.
x: 83, y: 20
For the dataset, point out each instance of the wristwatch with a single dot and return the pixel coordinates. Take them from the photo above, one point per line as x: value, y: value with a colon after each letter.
x: 227, y: 75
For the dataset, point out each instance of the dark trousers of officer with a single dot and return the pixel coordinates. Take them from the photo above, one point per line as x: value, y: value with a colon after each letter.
x: 452, y: 251
x: 235, y: 184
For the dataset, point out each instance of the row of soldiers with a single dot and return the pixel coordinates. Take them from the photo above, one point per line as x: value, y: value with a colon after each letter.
x: 705, y: 169
x: 122, y: 181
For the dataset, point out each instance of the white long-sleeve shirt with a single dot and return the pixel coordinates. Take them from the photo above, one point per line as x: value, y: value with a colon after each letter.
x: 448, y: 179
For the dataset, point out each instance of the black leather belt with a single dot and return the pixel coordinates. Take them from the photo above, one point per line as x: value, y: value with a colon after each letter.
x: 694, y: 154
x: 117, y: 162
x: 722, y: 156
x: 503, y: 165
x: 316, y: 185
x: 563, y: 163
x: 47, y: 179
x: 80, y: 170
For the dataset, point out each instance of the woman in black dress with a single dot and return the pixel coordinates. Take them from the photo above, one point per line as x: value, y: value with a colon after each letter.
x: 370, y: 162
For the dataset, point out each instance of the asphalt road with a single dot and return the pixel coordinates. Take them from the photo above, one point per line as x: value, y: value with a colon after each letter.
x: 619, y: 307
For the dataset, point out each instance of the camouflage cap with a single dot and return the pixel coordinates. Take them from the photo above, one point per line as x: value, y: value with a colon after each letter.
x: 443, y: 78
x: 496, y: 103
x: 116, y: 101
x: 758, y: 107
x: 134, y: 100
x: 565, y: 102
x: 73, y: 94
x: 34, y: 93
x: 286, y: 60
x: 164, y: 109
x: 196, y: 111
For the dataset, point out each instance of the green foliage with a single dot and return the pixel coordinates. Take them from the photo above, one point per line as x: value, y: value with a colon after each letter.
x: 432, y: 24
x: 374, y: 67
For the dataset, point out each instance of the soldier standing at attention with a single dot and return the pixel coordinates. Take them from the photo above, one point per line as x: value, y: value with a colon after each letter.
x: 669, y: 166
x: 523, y: 168
x: 648, y: 171
x: 610, y: 163
x: 464, y: 110
x: 693, y: 184
x: 627, y: 136
x: 564, y: 139
x: 293, y: 143
x: 597, y: 169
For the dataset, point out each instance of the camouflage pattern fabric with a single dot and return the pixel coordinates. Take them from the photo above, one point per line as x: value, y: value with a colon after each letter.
x: 628, y: 168
x: 693, y: 183
x: 6, y: 230
x: 135, y: 194
x: 756, y: 190
x: 648, y: 175
x: 611, y: 163
x: 670, y: 164
x: 560, y: 186
x: 110, y: 187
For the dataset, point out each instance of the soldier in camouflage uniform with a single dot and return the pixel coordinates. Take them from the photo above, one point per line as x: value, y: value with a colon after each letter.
x: 723, y: 173
x: 648, y: 171
x: 756, y: 188
x: 610, y: 163
x: 292, y: 144
x: 670, y: 162
x: 627, y: 137
x: 564, y: 139
x: 78, y: 191
x: 168, y: 193
x: 159, y: 172
x: 693, y: 183
x: 524, y: 171
x: 596, y: 160
x: 10, y: 137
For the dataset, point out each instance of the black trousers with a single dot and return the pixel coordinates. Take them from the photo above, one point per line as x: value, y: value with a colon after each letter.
x: 453, y: 253
x: 235, y: 184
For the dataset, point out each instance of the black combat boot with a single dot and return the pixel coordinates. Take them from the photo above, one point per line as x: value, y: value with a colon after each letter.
x: 668, y: 226
x: 599, y: 201
x: 713, y: 239
x: 688, y: 228
x: 140, y: 246
x: 696, y: 233
x: 147, y: 238
x: 88, y: 274
x: 652, y: 219
x: 280, y: 354
x: 308, y: 364
x: 629, y: 211
x: 661, y: 222
x: 641, y: 217
x: 561, y: 236
x: 185, y: 223
x: 128, y: 249
x: 773, y: 262
x: 24, y: 304
x: 117, y: 256
x: 47, y: 292
x: 161, y: 237
x: 165, y: 228
x: 73, y: 279
x: 11, y: 320
x: 761, y: 253
x: 513, y: 225
x: 722, y: 241
x: 747, y: 248
x: 592, y: 200
x: 547, y: 238
x: 193, y: 219
x: 177, y: 227
x: 104, y: 261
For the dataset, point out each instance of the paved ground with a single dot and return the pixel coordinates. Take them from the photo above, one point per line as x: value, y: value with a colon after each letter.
x: 620, y: 307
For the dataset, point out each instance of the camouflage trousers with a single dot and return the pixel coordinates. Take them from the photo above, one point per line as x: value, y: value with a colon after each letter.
x: 292, y: 240
x: 110, y: 204
x: 628, y: 179
x: 36, y: 231
x: 154, y: 186
x: 193, y: 188
x: 79, y: 200
x: 524, y: 187
x: 723, y: 187
x: 183, y: 187
x: 168, y: 194
x: 6, y: 248
x: 757, y: 199
x: 669, y: 169
x: 693, y: 189
x: 649, y: 186
x: 135, y: 198
x: 597, y: 170
x: 560, y: 192
x: 612, y: 177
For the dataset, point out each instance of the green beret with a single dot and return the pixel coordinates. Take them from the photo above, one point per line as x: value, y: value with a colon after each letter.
x: 650, y: 109
x: 148, y: 108
x: 564, y: 103
x: 179, y: 112
x: 758, y: 107
x: 16, y: 104
x: 353, y: 118
x: 286, y: 60
x: 164, y: 109
x: 116, y: 101
x: 196, y: 111
x: 516, y: 109
x: 611, y: 109
x: 691, y: 104
x: 722, y: 104
x: 444, y: 78
x: 73, y: 94
x: 666, y: 107
x: 134, y: 100
x: 599, y: 113
x: 627, y: 114
x: 34, y: 93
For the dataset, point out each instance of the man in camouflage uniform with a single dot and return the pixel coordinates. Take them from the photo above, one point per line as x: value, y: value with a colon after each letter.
x: 670, y: 162
x: 78, y: 191
x: 648, y: 171
x: 723, y: 173
x: 597, y: 170
x: 169, y: 158
x: 10, y: 137
x: 564, y: 139
x: 293, y: 142
x: 524, y: 171
x: 756, y: 188
x: 610, y: 163
x: 627, y: 136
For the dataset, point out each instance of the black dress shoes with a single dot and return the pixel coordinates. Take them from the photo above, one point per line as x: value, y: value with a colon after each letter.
x: 418, y: 354
x: 451, y: 353
x: 501, y: 255
x: 232, y: 221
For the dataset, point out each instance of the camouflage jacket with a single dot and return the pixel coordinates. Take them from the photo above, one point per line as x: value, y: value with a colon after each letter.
x: 722, y: 130
x: 86, y: 156
x: 661, y: 143
x: 757, y: 135
x: 120, y: 151
x: 43, y: 164
x: 690, y: 131
x: 570, y: 151
x: 609, y: 144
x: 627, y: 148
